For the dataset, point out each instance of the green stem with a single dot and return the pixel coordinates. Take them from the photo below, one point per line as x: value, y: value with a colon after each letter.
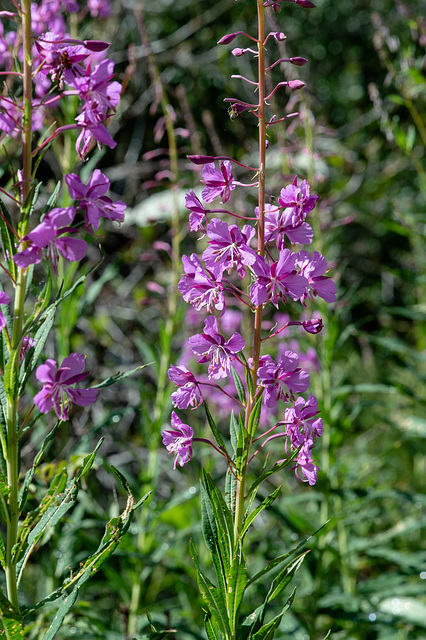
x: 12, y: 457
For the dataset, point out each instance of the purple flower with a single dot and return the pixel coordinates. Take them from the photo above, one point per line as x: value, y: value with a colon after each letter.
x: 4, y: 299
x: 278, y: 225
x: 318, y: 284
x: 27, y: 343
x: 228, y: 248
x: 93, y: 200
x: 179, y: 440
x: 199, y: 287
x: 188, y: 394
x: 278, y: 280
x: 49, y: 235
x: 57, y: 389
x: 282, y: 380
x: 299, y: 199
x: 60, y: 60
x: 99, y: 8
x: 305, y: 464
x: 301, y: 422
x: 211, y: 346
x: 219, y: 182
x: 91, y: 134
x: 99, y: 93
x: 198, y: 212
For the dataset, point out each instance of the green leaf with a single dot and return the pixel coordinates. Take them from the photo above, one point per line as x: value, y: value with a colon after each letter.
x: 242, y: 449
x: 267, y: 632
x: 274, y: 469
x: 237, y: 582
x: 30, y: 473
x: 214, y: 428
x: 8, y: 239
x: 34, y: 352
x: 255, y: 417
x: 285, y: 576
x: 57, y: 501
x: 233, y: 431
x: 279, y: 559
x: 249, y: 379
x: 119, y: 376
x: 114, y: 531
x: 211, y: 627
x: 4, y: 498
x: 230, y: 490
x: 217, y: 528
x: 239, y: 386
x: 265, y: 504
x: 11, y: 627
x: 213, y: 596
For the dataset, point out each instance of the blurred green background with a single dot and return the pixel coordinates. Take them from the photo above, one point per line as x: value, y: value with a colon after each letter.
x: 360, y: 141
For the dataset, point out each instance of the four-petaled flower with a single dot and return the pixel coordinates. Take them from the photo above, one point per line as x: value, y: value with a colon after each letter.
x: 93, y: 200
x: 298, y: 199
x: 50, y: 235
x: 178, y: 440
x: 211, y: 346
x: 58, y: 390
x: 219, y: 182
x: 278, y: 280
x: 318, y: 284
x: 188, y: 394
x: 228, y: 248
x: 281, y: 380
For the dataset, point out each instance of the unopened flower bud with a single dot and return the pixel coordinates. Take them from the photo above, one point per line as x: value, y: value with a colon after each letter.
x: 307, y: 4
x: 96, y: 45
x: 238, y: 52
x: 313, y: 326
x: 198, y: 159
x: 298, y: 61
x: 227, y: 39
x: 279, y: 36
x: 276, y: 8
x: 296, y: 84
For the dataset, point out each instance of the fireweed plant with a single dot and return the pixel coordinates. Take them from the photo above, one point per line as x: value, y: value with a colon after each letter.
x: 43, y: 68
x: 251, y: 263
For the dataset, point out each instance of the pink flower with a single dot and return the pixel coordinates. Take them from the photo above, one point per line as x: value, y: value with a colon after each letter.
x: 219, y: 182
x: 58, y: 389
x: 178, y: 440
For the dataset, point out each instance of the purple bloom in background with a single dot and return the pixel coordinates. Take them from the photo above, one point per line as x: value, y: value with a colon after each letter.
x: 188, y: 394
x: 198, y: 212
x: 211, y: 346
x: 27, y: 343
x: 178, y: 440
x: 49, y: 235
x: 282, y: 380
x: 4, y: 299
x: 199, y: 287
x: 93, y: 199
x: 278, y: 280
x: 228, y: 248
x: 99, y: 8
x: 57, y: 389
x: 313, y: 269
x: 219, y: 182
x: 278, y: 225
x: 299, y: 199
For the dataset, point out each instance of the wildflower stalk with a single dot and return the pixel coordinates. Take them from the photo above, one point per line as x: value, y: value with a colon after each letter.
x: 12, y: 453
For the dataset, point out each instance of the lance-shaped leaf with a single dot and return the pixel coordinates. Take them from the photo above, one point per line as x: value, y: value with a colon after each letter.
x: 8, y: 239
x: 214, y: 428
x: 119, y: 376
x: 285, y: 576
x: 217, y: 528
x: 275, y: 469
x: 213, y: 597
x: 265, y: 504
x: 211, y: 627
x: 57, y: 501
x: 34, y: 352
x: 239, y: 387
x: 267, y: 631
x: 255, y: 417
x: 237, y: 582
x: 11, y: 627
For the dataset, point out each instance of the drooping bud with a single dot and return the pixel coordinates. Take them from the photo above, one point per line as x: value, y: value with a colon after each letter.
x: 198, y: 159
x: 296, y: 84
x: 298, y: 61
x: 229, y: 37
x: 276, y: 8
x: 279, y: 36
x: 238, y: 52
x: 96, y: 45
x: 306, y: 4
x: 313, y: 326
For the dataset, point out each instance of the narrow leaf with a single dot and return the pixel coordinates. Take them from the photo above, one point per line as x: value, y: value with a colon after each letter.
x: 267, y: 632
x: 239, y: 387
x: 11, y: 627
x: 255, y: 417
x: 285, y: 576
x: 214, y: 428
x: 265, y: 504
x: 119, y: 376
x: 237, y: 582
